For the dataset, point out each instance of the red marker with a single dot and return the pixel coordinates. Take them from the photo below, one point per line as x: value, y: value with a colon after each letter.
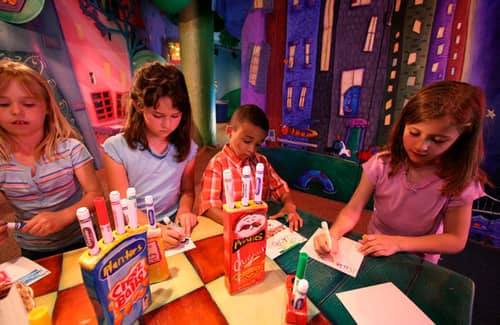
x: 102, y: 216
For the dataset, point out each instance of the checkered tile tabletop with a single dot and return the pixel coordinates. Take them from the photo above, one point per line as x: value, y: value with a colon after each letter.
x: 195, y: 293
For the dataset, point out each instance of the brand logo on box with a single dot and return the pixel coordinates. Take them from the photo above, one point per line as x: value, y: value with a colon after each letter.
x: 121, y: 257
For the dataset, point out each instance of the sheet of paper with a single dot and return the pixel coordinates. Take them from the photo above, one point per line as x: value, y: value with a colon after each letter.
x: 22, y: 269
x: 185, y: 246
x: 348, y: 259
x: 280, y: 239
x: 382, y: 304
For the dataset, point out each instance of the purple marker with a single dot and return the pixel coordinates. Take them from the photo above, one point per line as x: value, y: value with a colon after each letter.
x: 150, y: 211
x: 245, y: 191
x: 259, y: 181
x: 87, y: 230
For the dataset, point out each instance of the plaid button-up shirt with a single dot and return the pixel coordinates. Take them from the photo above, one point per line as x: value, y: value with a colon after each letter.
x: 212, y: 187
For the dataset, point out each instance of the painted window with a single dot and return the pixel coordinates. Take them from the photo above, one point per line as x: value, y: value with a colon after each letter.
x: 291, y: 55
x: 440, y: 32
x: 417, y: 26
x: 358, y: 3
x: 307, y: 52
x: 289, y: 97
x: 452, y: 71
x: 440, y: 49
x: 350, y: 89
x: 411, y: 81
x: 451, y: 6
x: 257, y: 4
x: 459, y: 26
x: 412, y: 58
x: 395, y: 49
x: 254, y: 65
x: 326, y: 44
x: 394, y: 62
x: 370, y: 34
x: 390, y: 88
x: 435, y: 67
x: 418, y: 2
x: 302, y: 99
x: 455, y: 55
x: 103, y: 106
x: 457, y: 39
x: 121, y: 108
x: 388, y: 104
x: 393, y: 74
x: 296, y: 4
x: 397, y: 7
x: 387, y: 119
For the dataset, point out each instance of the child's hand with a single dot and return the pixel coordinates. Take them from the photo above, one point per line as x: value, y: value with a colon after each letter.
x: 4, y: 235
x: 322, y: 247
x: 171, y: 237
x: 379, y: 245
x: 293, y: 218
x: 187, y: 221
x: 44, y: 224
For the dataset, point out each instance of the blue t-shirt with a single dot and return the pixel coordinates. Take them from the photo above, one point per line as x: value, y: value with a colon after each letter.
x: 150, y: 173
x: 53, y: 187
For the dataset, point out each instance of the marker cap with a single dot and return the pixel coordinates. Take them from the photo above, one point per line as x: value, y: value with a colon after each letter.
x: 246, y: 171
x: 301, y: 265
x: 148, y: 199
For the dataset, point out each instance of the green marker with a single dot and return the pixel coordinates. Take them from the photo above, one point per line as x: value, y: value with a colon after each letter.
x: 301, y: 270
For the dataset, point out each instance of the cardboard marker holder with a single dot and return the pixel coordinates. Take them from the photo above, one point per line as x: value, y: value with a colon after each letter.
x: 244, y: 245
x: 294, y: 316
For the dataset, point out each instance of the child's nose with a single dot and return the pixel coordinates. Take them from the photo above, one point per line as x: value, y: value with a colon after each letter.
x: 15, y: 109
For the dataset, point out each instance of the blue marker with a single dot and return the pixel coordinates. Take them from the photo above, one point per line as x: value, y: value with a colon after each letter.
x: 15, y: 225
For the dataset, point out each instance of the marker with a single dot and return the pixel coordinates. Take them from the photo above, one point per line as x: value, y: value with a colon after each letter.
x: 124, y: 204
x: 88, y: 231
x: 228, y: 187
x: 301, y: 270
x: 132, y: 208
x: 259, y: 181
x: 299, y: 298
x: 116, y: 208
x: 245, y: 191
x: 102, y: 217
x: 15, y: 225
x: 150, y: 211
x: 324, y: 226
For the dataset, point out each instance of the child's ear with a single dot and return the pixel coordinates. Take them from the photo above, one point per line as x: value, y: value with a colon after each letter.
x: 229, y: 130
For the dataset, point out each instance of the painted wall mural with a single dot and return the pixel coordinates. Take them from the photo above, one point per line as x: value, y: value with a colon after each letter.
x: 331, y: 75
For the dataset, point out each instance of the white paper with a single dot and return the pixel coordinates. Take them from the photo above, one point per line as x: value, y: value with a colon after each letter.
x: 348, y: 258
x: 182, y: 247
x: 280, y: 238
x: 12, y: 310
x: 22, y: 269
x: 382, y: 304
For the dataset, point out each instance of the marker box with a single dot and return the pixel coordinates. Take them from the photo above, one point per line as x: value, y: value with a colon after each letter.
x: 294, y: 316
x: 244, y: 245
x: 117, y: 279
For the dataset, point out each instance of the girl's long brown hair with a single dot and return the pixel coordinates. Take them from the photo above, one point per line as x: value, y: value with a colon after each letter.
x: 150, y: 83
x: 56, y: 126
x: 464, y: 105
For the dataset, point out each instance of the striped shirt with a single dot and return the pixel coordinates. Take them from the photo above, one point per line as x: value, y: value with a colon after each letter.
x: 53, y: 187
x: 212, y: 188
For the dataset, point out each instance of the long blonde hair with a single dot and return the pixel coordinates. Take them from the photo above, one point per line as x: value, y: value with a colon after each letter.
x: 464, y: 104
x: 56, y: 126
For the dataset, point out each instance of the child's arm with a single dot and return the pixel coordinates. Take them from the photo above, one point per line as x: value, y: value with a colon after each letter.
x: 211, y: 192
x: 452, y: 240
x: 347, y: 218
x: 47, y: 223
x: 289, y: 209
x: 185, y: 213
x: 215, y: 214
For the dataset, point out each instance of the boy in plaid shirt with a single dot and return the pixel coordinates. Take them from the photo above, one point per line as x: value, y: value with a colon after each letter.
x: 246, y: 131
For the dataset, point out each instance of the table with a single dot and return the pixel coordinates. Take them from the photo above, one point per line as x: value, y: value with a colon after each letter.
x: 196, y: 294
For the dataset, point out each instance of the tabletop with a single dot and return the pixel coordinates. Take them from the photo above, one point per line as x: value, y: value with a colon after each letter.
x: 196, y: 293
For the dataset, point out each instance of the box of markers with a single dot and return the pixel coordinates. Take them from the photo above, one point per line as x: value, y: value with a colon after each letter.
x: 244, y: 245
x: 116, y: 279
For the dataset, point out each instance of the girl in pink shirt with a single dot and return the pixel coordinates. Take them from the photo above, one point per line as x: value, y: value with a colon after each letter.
x: 424, y: 184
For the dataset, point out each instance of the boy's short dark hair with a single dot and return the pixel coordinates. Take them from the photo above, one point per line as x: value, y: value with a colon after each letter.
x: 250, y: 113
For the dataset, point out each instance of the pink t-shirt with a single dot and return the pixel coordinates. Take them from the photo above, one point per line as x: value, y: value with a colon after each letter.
x: 405, y: 209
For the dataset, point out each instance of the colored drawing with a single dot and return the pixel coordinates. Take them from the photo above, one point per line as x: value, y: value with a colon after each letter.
x: 314, y: 174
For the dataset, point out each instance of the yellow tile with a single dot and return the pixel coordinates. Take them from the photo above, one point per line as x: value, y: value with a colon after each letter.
x: 71, y: 275
x: 206, y: 228
x: 183, y: 279
x: 48, y: 300
x: 264, y: 303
